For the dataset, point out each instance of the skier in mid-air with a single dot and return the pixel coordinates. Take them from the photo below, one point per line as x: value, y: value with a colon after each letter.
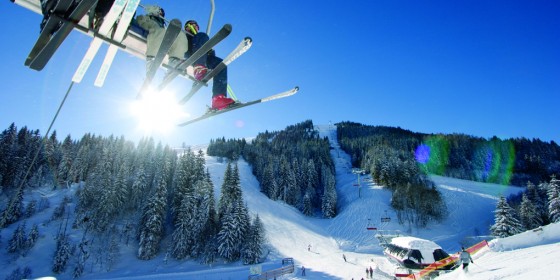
x: 208, y: 61
x: 153, y: 21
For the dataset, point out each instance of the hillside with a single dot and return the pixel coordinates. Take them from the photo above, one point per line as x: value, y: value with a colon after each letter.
x: 290, y: 233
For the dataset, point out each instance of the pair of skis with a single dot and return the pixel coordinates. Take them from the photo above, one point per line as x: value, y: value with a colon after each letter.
x: 239, y: 105
x: 237, y: 52
x: 123, y: 9
x: 245, y: 44
x: 168, y: 40
x: 55, y: 31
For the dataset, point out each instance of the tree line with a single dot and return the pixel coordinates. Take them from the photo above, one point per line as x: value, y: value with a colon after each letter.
x: 537, y: 206
x: 292, y: 165
x: 125, y: 195
x: 387, y: 154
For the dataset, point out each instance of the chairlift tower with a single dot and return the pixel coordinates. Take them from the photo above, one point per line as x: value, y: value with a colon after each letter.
x: 358, y: 172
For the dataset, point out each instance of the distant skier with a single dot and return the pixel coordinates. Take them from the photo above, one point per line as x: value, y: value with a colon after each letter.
x: 309, y: 248
x: 153, y: 21
x: 344, y: 257
x: 465, y: 258
x: 208, y: 61
x: 302, y: 270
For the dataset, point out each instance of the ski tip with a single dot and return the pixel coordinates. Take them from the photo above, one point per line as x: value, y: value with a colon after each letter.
x: 296, y: 88
x: 176, y: 22
x: 228, y: 27
x: 248, y: 39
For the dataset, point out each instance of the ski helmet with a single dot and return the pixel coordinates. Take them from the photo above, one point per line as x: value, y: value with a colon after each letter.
x: 191, y: 27
x: 155, y: 11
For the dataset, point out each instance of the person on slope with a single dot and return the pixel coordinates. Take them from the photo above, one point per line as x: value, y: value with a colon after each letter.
x: 153, y: 21
x: 207, y: 61
x: 465, y: 257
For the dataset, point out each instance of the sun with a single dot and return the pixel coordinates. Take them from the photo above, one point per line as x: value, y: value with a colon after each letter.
x: 157, y: 112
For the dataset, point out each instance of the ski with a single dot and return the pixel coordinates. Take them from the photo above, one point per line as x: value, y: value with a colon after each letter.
x: 237, y: 52
x: 217, y: 38
x: 239, y: 105
x: 171, y: 33
x: 52, y: 23
x: 120, y: 33
x: 108, y: 22
x: 44, y: 55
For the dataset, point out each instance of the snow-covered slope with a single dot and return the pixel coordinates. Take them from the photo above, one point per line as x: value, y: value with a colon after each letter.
x: 290, y: 233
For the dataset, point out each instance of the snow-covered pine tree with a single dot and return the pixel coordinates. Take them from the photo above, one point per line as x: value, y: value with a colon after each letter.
x: 506, y: 224
x: 230, y: 192
x: 183, y: 235
x: 139, y: 187
x: 18, y: 241
x: 206, y: 217
x: 31, y: 208
x: 534, y: 194
x: 67, y: 155
x: 227, y: 237
x: 78, y: 169
x: 33, y: 236
x: 528, y: 214
x: 267, y: 180
x: 14, y: 210
x: 554, y: 200
x: 151, y: 225
x: 307, y: 206
x: 62, y: 254
x: 282, y: 178
x: 329, y: 200
x: 208, y: 237
x: 122, y: 189
x: 234, y: 216
x: 184, y: 181
x: 254, y: 242
x: 293, y: 191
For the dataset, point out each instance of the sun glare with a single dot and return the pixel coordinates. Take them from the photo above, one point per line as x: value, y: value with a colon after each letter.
x: 157, y: 112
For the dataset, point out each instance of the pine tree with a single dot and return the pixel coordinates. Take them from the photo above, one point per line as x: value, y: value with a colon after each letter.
x: 33, y: 236
x: 31, y: 208
x: 539, y: 202
x: 554, y: 200
x: 227, y: 238
x: 183, y: 236
x: 14, y: 210
x: 528, y: 214
x: 151, y: 225
x: 254, y: 241
x: 19, y: 240
x: 231, y: 190
x: 307, y: 206
x: 62, y: 254
x: 506, y: 224
x: 139, y: 187
x: 267, y: 180
x: 329, y: 197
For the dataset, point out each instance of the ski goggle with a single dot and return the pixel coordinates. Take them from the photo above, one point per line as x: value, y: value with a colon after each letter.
x: 191, y: 27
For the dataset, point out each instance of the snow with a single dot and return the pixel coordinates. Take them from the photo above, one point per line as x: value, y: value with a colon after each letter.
x: 416, y: 243
x: 319, y: 244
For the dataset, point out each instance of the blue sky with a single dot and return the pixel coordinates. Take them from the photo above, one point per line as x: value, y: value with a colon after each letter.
x: 482, y: 68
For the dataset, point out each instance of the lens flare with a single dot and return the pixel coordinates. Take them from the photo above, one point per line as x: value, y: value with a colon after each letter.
x: 157, y: 112
x: 494, y: 161
x: 433, y: 154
